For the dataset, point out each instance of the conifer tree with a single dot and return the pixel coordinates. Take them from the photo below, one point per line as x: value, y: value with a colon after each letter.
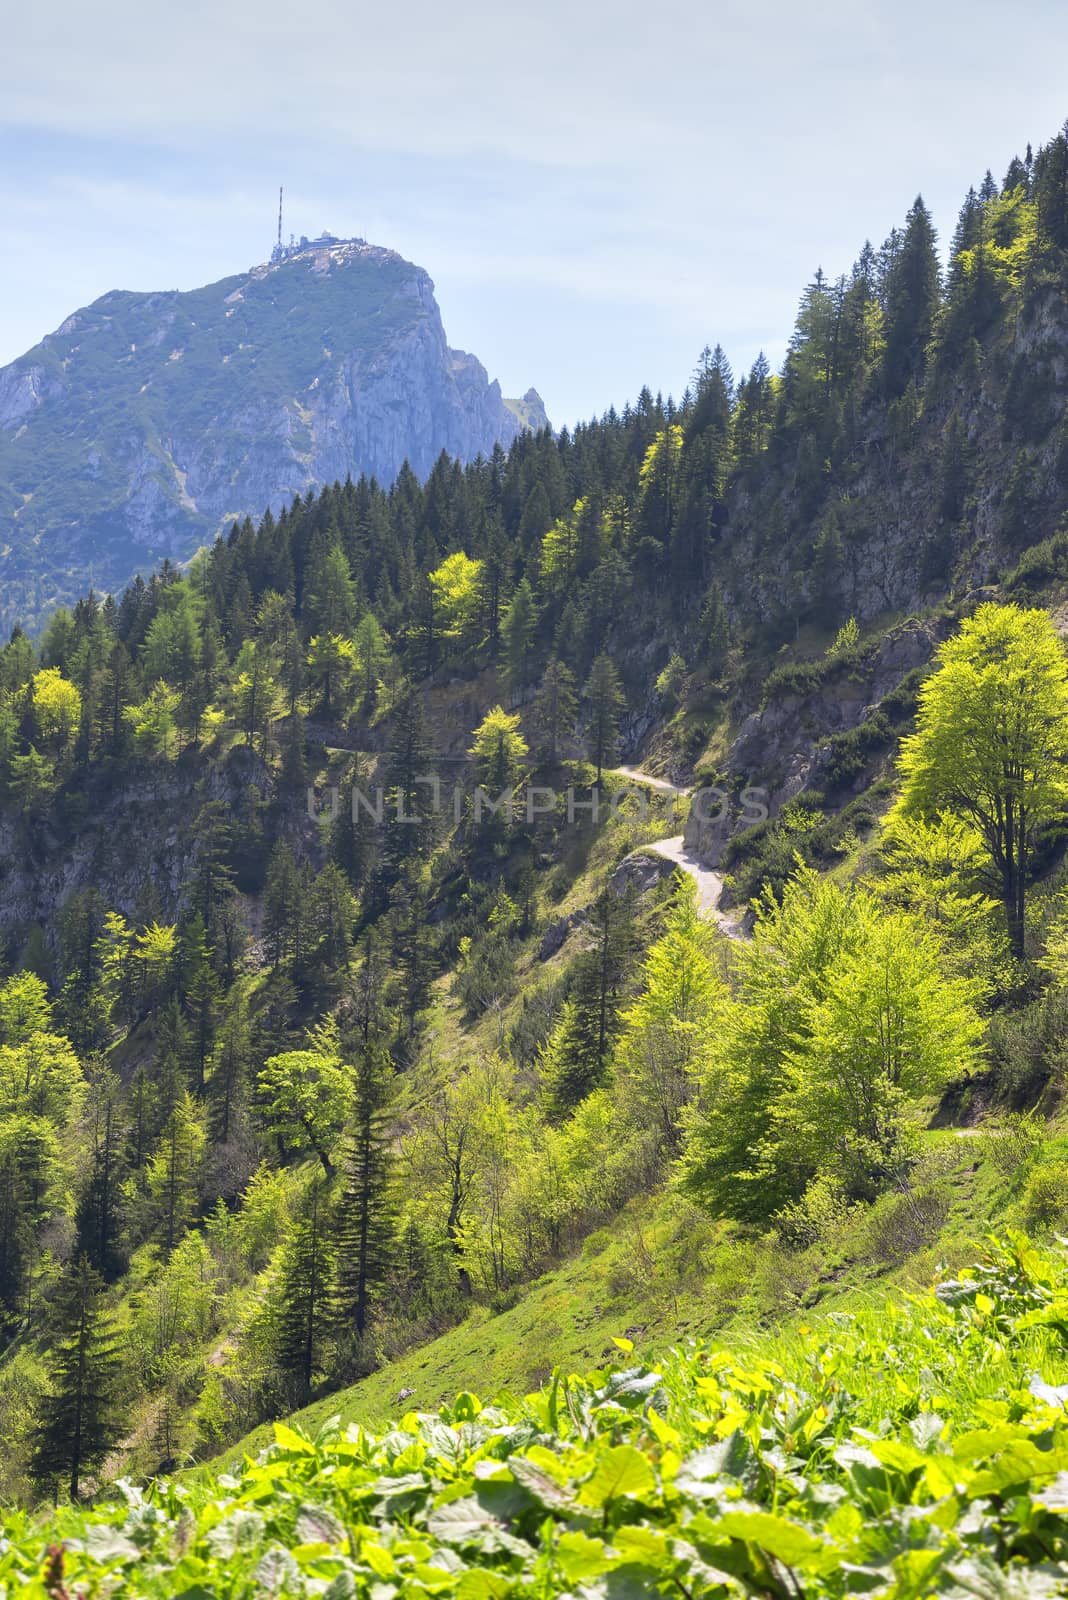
x: 80, y: 1420
x: 518, y: 631
x: 173, y: 1176
x: 580, y: 1051
x: 409, y: 821
x: 911, y: 296
x: 305, y: 1315
x: 99, y: 1214
x: 552, y: 715
x: 350, y: 833
x: 366, y: 1221
x: 280, y: 895
x: 604, y: 705
x: 227, y: 1080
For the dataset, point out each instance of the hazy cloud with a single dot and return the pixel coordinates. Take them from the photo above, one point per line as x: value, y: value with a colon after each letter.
x: 597, y: 189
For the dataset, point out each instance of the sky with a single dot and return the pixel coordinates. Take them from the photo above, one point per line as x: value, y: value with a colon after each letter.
x: 598, y: 190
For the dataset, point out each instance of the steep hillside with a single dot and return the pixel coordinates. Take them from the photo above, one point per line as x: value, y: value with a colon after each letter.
x: 356, y: 1030
x: 148, y: 421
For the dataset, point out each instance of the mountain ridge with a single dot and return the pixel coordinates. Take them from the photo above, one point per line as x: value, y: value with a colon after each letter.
x: 147, y: 422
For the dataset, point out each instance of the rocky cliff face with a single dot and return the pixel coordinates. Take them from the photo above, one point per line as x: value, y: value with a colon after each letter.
x: 148, y: 422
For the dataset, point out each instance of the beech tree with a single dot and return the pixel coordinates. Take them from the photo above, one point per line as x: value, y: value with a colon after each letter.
x: 305, y: 1098
x: 843, y: 1017
x: 991, y: 742
x: 889, y: 1030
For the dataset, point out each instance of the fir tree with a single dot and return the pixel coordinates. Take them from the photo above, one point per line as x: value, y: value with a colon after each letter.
x: 305, y: 1314
x: 366, y: 1221
x: 604, y: 704
x: 552, y: 715
x: 80, y: 1420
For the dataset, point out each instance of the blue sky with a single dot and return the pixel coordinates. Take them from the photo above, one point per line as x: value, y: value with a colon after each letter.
x: 597, y: 190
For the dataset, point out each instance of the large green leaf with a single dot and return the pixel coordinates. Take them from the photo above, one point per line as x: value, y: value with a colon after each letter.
x: 789, y: 1542
x: 620, y: 1472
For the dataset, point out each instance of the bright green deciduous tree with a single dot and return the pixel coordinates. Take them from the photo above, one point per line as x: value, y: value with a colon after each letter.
x: 668, y: 1032
x: 331, y: 664
x: 372, y: 654
x: 306, y: 1096
x: 889, y: 1031
x: 499, y: 751
x: 991, y: 742
x: 57, y: 708
x: 456, y: 587
x: 842, y: 1018
x: 153, y: 723
x: 24, y: 1008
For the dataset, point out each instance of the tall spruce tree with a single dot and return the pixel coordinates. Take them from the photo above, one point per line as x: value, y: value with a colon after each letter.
x: 552, y: 715
x: 366, y: 1222
x: 518, y: 630
x: 80, y: 1419
x: 604, y: 705
x: 99, y: 1214
x: 911, y: 301
x: 410, y: 798
x: 580, y: 1051
x: 305, y: 1313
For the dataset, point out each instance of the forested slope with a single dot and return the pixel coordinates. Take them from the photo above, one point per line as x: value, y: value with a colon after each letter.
x: 288, y: 1089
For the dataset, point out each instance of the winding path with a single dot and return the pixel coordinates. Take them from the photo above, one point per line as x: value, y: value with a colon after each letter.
x: 636, y: 774
x: 709, y: 883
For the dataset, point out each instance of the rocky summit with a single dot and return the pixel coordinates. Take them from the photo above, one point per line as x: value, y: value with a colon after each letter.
x: 148, y: 422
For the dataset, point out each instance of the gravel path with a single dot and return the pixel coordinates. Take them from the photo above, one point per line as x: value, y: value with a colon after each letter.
x: 709, y: 885
x: 637, y: 776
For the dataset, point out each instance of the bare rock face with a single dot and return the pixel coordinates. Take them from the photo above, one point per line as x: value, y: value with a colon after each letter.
x: 149, y: 422
x: 780, y: 749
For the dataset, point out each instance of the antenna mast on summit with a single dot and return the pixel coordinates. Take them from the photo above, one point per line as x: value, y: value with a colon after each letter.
x: 279, y: 216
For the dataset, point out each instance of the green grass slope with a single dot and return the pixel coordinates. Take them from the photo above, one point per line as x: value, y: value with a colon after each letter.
x: 915, y: 1447
x: 663, y: 1273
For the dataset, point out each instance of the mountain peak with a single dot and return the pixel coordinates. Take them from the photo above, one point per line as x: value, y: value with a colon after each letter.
x: 147, y: 423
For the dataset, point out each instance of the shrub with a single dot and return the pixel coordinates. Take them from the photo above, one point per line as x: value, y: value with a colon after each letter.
x: 1014, y: 1145
x: 1045, y: 1196
x: 1040, y: 564
x: 845, y: 755
x: 820, y: 1211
